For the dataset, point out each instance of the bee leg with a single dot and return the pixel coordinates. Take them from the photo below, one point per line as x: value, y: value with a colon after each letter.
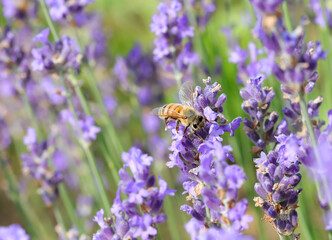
x: 185, y: 130
x: 177, y: 126
x: 199, y: 136
x: 166, y: 121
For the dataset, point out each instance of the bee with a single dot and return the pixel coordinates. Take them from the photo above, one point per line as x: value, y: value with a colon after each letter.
x: 183, y: 113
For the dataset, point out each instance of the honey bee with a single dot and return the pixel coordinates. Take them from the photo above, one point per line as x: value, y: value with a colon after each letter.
x: 183, y: 113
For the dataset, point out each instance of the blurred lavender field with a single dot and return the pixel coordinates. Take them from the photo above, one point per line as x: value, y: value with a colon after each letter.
x: 82, y: 156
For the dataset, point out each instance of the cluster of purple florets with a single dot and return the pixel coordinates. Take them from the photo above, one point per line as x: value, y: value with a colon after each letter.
x: 172, y: 28
x: 293, y: 63
x: 38, y: 164
x: 212, y: 183
x: 138, y: 214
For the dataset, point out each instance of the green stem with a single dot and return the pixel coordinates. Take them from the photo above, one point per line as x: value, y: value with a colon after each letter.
x: 323, y: 7
x: 32, y: 115
x: 98, y: 179
x: 70, y: 207
x: 59, y: 218
x: 32, y: 229
x: 92, y: 164
x: 307, y: 123
x: 282, y: 237
x: 49, y: 20
x: 111, y: 135
x: 288, y: 20
x: 111, y: 159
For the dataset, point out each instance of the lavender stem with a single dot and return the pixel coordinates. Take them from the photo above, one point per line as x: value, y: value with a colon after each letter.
x: 113, y: 136
x: 288, y: 20
x: 49, y: 20
x: 92, y: 164
x: 307, y: 122
x: 70, y: 208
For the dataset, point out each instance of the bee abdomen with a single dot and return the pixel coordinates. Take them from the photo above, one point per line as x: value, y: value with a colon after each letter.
x: 171, y: 110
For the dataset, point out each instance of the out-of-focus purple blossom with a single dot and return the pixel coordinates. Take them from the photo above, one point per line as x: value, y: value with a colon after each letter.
x: 59, y: 56
x: 89, y: 130
x: 64, y: 11
x: 36, y: 164
x: 197, y: 231
x: 140, y: 70
x: 266, y: 6
x: 96, y: 51
x: 85, y: 126
x: 294, y: 61
x: 84, y: 205
x: 151, y: 124
x: 53, y: 93
x: 5, y: 138
x: 14, y: 61
x: 111, y: 104
x: 278, y: 175
x: 203, y: 11
x: 19, y: 9
x: 13, y: 231
x: 320, y: 167
x: 173, y: 32
x: 141, y: 190
x: 316, y: 7
x: 71, y: 234
x: 257, y: 65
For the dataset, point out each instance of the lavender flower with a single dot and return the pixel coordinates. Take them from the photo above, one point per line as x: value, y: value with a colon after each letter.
x: 84, y: 127
x: 13, y: 231
x: 319, y: 166
x: 194, y: 228
x: 203, y: 11
x: 140, y: 69
x: 36, y: 164
x: 14, y: 61
x: 19, y: 9
x: 65, y: 11
x: 172, y: 29
x: 257, y: 100
x: 59, y: 56
x: 315, y: 5
x: 212, y: 184
x: 142, y: 193
x: 269, y: 6
x: 278, y: 175
x: 96, y: 51
x: 71, y: 234
x: 257, y: 66
x: 5, y: 138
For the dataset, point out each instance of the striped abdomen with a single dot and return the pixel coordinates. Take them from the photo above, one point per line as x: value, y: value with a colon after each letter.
x: 171, y: 110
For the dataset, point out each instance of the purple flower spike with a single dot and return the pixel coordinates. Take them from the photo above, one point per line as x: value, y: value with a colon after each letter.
x: 211, y: 183
x: 65, y: 12
x: 19, y: 9
x: 85, y: 127
x: 142, y: 194
x: 278, y: 175
x: 61, y: 55
x: 257, y: 100
x: 36, y: 164
x: 13, y: 231
x: 173, y: 32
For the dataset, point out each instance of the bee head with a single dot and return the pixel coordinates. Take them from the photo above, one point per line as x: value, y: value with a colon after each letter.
x: 198, y: 122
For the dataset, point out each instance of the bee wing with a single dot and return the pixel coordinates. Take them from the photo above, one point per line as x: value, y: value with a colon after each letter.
x: 186, y: 94
x: 170, y: 113
x: 156, y: 111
